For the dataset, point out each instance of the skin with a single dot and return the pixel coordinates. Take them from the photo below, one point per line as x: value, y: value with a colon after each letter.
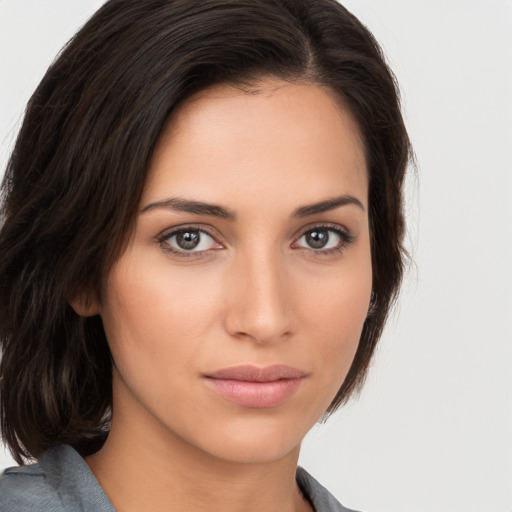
x: 253, y: 292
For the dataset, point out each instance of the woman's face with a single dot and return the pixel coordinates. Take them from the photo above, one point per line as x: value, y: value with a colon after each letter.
x: 235, y: 312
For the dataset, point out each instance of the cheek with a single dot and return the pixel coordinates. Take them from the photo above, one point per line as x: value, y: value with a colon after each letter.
x: 339, y: 329
x: 340, y: 300
x: 337, y: 308
x: 151, y: 317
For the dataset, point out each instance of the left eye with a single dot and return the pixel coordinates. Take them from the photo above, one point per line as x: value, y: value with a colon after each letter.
x: 189, y: 240
x: 321, y: 239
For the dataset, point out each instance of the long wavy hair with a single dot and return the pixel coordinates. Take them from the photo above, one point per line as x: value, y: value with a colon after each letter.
x: 75, y: 177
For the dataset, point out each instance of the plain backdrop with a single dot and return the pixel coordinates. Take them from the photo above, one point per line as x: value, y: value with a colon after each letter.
x: 432, y: 431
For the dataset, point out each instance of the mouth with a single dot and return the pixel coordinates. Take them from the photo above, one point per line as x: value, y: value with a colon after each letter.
x: 254, y: 387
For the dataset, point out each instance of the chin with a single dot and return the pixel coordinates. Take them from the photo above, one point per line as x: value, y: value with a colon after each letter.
x: 255, y: 451
x: 253, y: 441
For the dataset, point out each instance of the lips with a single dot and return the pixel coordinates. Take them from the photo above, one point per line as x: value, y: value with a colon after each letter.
x: 255, y: 387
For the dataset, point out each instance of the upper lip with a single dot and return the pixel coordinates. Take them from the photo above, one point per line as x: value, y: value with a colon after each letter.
x: 249, y: 373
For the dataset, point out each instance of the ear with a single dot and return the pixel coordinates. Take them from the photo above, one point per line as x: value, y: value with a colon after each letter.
x: 84, y: 305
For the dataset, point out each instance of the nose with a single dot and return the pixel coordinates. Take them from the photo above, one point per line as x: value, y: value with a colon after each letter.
x: 259, y: 301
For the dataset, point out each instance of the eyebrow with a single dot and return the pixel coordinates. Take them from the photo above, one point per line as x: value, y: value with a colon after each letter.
x: 327, y: 205
x: 189, y: 206
x: 214, y: 210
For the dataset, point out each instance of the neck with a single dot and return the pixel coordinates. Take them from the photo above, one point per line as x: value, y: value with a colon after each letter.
x: 162, y: 472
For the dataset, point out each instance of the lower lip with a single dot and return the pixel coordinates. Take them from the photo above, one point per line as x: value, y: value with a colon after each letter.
x: 255, y: 394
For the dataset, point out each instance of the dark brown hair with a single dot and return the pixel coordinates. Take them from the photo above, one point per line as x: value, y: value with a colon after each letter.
x: 75, y: 177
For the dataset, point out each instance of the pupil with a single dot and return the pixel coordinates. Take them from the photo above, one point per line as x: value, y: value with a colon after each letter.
x: 317, y: 239
x: 188, y: 239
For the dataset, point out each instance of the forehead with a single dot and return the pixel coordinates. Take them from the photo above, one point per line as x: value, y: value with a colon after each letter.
x: 297, y: 137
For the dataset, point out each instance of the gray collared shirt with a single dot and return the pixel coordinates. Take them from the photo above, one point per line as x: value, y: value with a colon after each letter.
x: 61, y: 481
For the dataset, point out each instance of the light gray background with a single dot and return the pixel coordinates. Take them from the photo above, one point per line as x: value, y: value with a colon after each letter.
x: 432, y: 431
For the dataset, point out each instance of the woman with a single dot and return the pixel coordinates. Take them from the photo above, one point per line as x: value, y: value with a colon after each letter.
x: 202, y: 237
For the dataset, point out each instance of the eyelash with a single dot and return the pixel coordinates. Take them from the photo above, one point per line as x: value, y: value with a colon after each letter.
x: 163, y: 240
x: 345, y: 239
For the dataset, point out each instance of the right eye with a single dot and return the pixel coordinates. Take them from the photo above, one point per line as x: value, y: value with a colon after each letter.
x: 186, y: 241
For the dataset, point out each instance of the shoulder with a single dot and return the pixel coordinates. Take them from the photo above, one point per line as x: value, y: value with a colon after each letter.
x: 25, y: 488
x: 60, y: 481
x: 320, y: 497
